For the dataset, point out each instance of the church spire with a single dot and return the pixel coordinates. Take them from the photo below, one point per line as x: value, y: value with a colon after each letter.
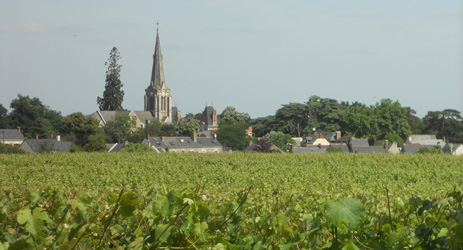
x: 157, y: 74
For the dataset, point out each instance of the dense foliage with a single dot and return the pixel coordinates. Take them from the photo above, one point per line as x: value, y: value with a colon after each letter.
x: 113, y: 94
x: 231, y: 201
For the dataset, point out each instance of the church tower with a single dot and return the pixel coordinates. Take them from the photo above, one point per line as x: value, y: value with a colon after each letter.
x: 157, y: 98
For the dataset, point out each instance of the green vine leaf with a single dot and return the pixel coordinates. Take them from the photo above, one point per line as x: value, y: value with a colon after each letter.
x: 33, y: 221
x: 345, y: 209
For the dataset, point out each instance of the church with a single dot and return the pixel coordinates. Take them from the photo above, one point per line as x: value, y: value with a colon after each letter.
x: 158, y: 99
x: 158, y: 102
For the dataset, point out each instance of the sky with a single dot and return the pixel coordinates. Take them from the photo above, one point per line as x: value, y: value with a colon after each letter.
x: 252, y: 55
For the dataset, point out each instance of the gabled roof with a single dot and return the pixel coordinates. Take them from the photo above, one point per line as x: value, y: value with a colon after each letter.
x: 413, y: 148
x: 10, y: 135
x: 116, y: 147
x: 59, y: 146
x: 143, y: 115
x: 108, y: 115
x: 310, y: 150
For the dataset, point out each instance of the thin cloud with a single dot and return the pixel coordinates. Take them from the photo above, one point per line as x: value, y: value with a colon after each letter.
x: 33, y: 28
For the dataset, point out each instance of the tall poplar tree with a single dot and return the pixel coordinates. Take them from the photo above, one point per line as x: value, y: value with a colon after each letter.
x: 113, y: 94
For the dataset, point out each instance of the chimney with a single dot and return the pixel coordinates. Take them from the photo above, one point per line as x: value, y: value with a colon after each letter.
x: 193, y: 137
x: 250, y: 142
x: 126, y: 143
x: 409, y: 138
x: 385, y: 144
x: 214, y: 117
x: 250, y: 130
x: 19, y: 128
x: 148, y: 139
x: 162, y: 138
x: 58, y: 138
x: 315, y: 133
x: 321, y: 135
x: 36, y: 136
x: 338, y: 135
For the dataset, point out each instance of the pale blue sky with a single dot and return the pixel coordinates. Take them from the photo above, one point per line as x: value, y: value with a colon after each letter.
x: 253, y: 55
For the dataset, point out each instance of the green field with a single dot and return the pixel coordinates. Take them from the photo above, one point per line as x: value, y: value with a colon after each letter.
x: 231, y: 201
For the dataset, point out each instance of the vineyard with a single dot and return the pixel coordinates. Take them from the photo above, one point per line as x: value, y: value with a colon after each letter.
x: 230, y: 201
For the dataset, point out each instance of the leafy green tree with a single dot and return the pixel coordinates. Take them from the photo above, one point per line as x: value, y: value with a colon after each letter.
x: 4, y: 119
x: 325, y: 114
x: 391, y: 118
x: 187, y: 125
x: 280, y: 139
x: 168, y: 130
x: 42, y: 128
x: 415, y: 123
x: 113, y: 94
x: 26, y: 110
x: 76, y: 128
x: 153, y: 128
x: 447, y: 123
x: 233, y: 134
x: 96, y: 143
x: 361, y: 122
x: 377, y: 121
x: 264, y: 125
x: 331, y: 115
x: 292, y: 118
x: 119, y: 129
x: 229, y: 114
x: 393, y: 137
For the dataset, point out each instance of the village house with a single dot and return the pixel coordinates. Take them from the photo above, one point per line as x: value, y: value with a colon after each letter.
x: 13, y: 137
x: 47, y: 145
x: 193, y: 144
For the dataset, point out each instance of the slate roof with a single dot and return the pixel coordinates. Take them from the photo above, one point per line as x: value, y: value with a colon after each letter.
x: 413, y: 148
x: 143, y: 116
x: 182, y: 142
x: 310, y: 150
x: 344, y: 147
x: 422, y: 137
x: 116, y: 147
x: 363, y: 150
x: 107, y: 115
x: 10, y: 135
x: 59, y: 146
x: 360, y: 142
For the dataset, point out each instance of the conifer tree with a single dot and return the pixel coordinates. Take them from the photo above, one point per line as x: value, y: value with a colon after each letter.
x: 113, y: 94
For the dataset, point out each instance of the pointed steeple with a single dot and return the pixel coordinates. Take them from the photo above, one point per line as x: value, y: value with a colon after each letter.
x: 158, y: 99
x: 157, y: 74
